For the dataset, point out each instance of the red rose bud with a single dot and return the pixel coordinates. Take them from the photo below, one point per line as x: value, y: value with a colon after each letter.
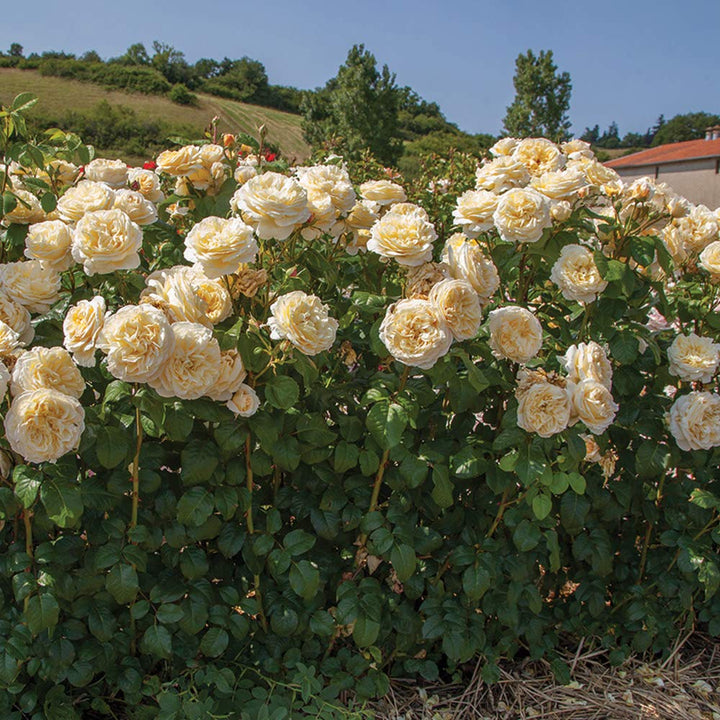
x: 149, y: 165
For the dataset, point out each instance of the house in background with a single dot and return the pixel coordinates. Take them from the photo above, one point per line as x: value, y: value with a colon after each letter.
x: 690, y: 168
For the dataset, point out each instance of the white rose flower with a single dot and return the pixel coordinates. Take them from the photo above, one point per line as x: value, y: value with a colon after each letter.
x: 28, y: 283
x: 232, y: 374
x: 415, y: 333
x: 694, y: 421
x: 86, y: 196
x: 694, y: 358
x: 544, y: 407
x: 218, y: 303
x: 4, y: 381
x: 43, y: 425
x: 577, y: 275
x: 577, y: 148
x: 138, y: 341
x: 303, y: 320
x: 147, y: 183
x: 273, y: 204
x: 111, y: 172
x: 330, y: 194
x: 522, y: 215
x: 105, y: 241
x: 504, y: 146
x: 538, y: 155
x: 220, y: 245
x: 50, y: 368
x: 9, y: 339
x: 193, y: 367
x: 593, y: 404
x: 560, y: 184
x: 181, y: 161
x: 244, y: 402
x: 710, y: 259
x: 459, y: 306
x: 560, y: 210
x: 243, y: 173
x: 467, y: 261
x: 406, y: 237
x: 81, y: 327
x: 17, y: 317
x: 474, y: 211
x: 515, y: 334
x: 587, y: 361
x: 501, y: 174
x: 175, y: 291
x: 382, y: 192
x: 49, y: 242
x: 27, y: 209
x: 136, y: 206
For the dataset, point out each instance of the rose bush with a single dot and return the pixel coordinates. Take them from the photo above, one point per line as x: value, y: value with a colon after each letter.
x: 291, y: 431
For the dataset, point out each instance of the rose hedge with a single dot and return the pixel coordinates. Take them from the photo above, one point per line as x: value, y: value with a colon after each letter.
x: 273, y: 433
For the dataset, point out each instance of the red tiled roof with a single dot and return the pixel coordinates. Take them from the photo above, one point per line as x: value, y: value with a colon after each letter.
x: 673, y: 152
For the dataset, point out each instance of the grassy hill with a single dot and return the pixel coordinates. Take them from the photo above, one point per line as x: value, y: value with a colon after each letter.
x: 58, y: 96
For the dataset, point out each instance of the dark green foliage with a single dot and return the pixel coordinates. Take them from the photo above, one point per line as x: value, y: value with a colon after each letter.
x: 181, y: 95
x: 690, y: 126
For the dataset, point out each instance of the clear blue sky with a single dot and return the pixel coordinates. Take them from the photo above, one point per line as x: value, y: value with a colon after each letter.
x: 629, y: 60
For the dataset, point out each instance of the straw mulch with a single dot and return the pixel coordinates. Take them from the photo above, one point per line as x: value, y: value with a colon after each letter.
x: 683, y: 686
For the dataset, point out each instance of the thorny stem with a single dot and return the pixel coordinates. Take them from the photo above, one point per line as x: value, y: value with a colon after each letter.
x: 501, y: 511
x: 136, y: 471
x: 27, y: 521
x: 648, y: 532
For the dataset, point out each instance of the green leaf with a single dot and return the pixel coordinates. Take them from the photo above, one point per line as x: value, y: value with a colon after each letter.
x: 403, y: 559
x: 282, y: 392
x: 231, y: 539
x: 101, y: 622
x: 286, y: 453
x: 194, y: 563
x: 62, y: 500
x: 705, y: 499
x: 297, y: 542
x: 111, y: 446
x: 709, y: 577
x: 27, y: 484
x: 476, y: 581
x: 652, y: 459
x: 195, y: 507
x: 365, y: 631
x: 48, y: 202
x: 577, y: 483
x: 305, y: 579
x: 23, y: 102
x: 573, y: 511
x: 624, y: 347
x: 386, y: 422
x: 467, y: 463
x: 42, y: 613
x: 442, y: 492
x: 198, y: 461
x: 122, y: 583
x: 157, y: 641
x: 346, y: 456
x: 214, y: 642
x: 541, y: 505
x: 526, y: 536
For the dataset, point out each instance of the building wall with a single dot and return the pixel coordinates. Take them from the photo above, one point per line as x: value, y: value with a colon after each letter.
x: 697, y: 180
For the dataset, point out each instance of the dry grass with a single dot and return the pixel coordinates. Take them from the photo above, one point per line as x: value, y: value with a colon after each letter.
x: 58, y: 95
x: 685, y: 686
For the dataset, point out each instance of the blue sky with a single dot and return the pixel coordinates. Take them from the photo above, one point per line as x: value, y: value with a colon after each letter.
x: 629, y: 60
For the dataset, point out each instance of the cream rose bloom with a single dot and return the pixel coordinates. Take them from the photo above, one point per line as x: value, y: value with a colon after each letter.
x: 382, y: 192
x: 595, y: 172
x: 405, y: 237
x: 515, y: 334
x: 501, y: 174
x: 136, y: 206
x: 539, y: 155
x: 49, y: 242
x: 273, y: 204
x: 694, y: 421
x: 43, y: 425
x: 50, y: 368
x: 179, y: 162
x: 587, y: 361
x: 111, y: 172
x: 63, y: 172
x: 467, y: 261
x: 138, y: 341
x: 474, y: 211
x: 544, y: 407
x: 422, y: 279
x: 694, y: 358
x: 4, y: 381
x: 593, y: 404
x: 243, y: 173
x: 560, y: 184
x: 105, y: 241
x: 81, y: 327
x: 28, y: 283
x: 218, y: 303
x: 9, y: 339
x: 577, y: 275
x: 147, y: 183
x: 577, y: 148
x: 219, y: 246
x: 17, y: 317
x: 232, y: 374
x: 86, y: 196
x: 244, y: 402
x: 193, y: 367
x: 522, y: 215
x: 459, y: 306
x: 504, y: 146
x: 330, y: 194
x: 174, y: 291
x: 303, y: 320
x: 415, y: 333
x: 710, y: 259
x: 27, y: 210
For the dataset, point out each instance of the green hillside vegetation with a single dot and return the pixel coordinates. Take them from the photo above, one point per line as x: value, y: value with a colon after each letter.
x: 136, y: 125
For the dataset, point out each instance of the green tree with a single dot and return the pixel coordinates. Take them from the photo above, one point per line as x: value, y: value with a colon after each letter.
x: 136, y: 54
x: 16, y: 50
x: 542, y: 98
x: 357, y: 109
x: 690, y: 126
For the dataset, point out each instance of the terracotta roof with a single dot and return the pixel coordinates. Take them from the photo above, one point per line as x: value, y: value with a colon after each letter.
x: 673, y: 152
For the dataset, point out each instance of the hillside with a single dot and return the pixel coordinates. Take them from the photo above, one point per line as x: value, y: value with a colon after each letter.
x: 58, y: 96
